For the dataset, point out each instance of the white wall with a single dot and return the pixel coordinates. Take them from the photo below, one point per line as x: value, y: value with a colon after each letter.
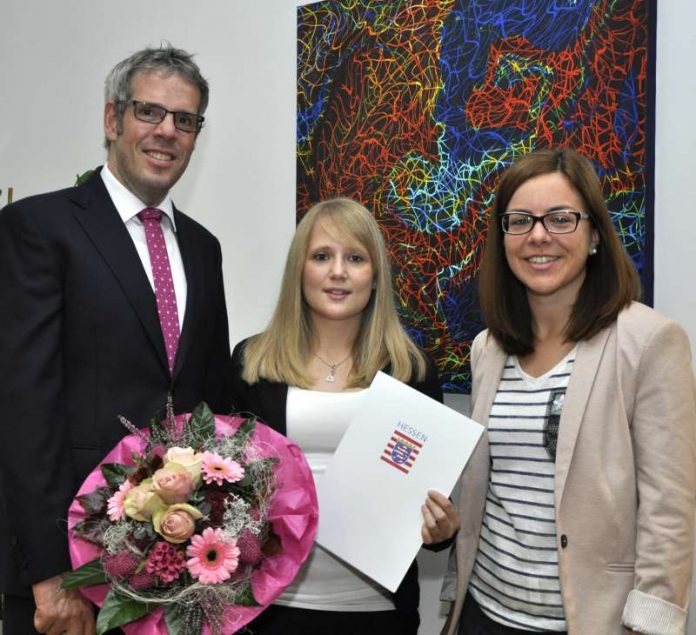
x: 54, y: 56
x: 675, y: 185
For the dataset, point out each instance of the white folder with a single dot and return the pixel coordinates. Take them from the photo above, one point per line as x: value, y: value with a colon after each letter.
x: 398, y: 445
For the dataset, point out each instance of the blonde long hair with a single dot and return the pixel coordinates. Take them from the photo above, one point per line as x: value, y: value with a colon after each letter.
x: 282, y: 352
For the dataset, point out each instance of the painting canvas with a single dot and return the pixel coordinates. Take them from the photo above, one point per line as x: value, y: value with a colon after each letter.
x: 414, y: 108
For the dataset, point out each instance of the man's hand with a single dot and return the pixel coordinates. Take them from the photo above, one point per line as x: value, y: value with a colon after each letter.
x: 61, y: 610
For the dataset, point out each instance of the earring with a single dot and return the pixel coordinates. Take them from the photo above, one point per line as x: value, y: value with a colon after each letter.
x: 374, y: 284
x: 593, y: 250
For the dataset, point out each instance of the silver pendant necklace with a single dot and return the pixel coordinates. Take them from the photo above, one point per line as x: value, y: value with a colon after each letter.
x: 331, y: 377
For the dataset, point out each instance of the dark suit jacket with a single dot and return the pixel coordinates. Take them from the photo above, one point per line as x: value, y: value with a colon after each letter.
x: 80, y: 343
x: 268, y: 399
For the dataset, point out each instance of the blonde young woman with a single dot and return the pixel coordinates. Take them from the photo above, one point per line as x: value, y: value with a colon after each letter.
x: 578, y: 513
x: 334, y: 327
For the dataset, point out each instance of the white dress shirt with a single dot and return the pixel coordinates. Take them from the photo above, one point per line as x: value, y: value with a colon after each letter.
x: 129, y: 206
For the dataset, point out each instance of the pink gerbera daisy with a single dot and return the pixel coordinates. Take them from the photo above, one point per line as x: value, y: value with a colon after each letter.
x: 212, y: 558
x: 115, y: 510
x: 217, y: 469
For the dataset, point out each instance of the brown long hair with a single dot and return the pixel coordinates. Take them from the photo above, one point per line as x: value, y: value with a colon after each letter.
x: 611, y: 281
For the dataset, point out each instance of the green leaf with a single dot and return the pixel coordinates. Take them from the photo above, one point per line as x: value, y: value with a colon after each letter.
x: 94, y: 503
x: 204, y: 508
x: 144, y: 531
x: 248, y: 426
x: 175, y: 620
x: 81, y: 178
x: 118, y: 610
x: 115, y: 474
x: 245, y: 430
x: 201, y: 424
x: 88, y: 574
x: 246, y: 598
x: 91, y: 529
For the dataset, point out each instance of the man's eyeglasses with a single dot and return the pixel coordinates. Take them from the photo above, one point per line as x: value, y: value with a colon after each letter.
x: 560, y: 221
x: 154, y: 113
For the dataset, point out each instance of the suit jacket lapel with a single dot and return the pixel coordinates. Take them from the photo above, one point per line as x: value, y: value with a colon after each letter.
x: 96, y: 213
x: 579, y: 388
x: 580, y: 385
x: 493, y: 363
x: 194, y: 270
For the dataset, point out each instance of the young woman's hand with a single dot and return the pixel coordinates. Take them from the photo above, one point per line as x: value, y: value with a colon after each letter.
x: 440, y: 519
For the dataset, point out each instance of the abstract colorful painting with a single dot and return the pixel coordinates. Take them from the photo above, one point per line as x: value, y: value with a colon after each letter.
x: 414, y: 109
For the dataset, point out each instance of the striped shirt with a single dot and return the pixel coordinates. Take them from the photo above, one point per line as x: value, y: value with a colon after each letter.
x: 515, y: 577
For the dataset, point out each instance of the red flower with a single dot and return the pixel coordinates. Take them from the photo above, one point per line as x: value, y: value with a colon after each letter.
x: 142, y: 580
x: 249, y: 548
x: 216, y: 500
x: 121, y: 565
x: 165, y: 561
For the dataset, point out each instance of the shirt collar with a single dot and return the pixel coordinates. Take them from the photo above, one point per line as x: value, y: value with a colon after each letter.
x: 128, y: 204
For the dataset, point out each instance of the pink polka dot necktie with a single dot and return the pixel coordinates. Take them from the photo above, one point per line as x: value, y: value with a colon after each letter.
x: 164, y: 284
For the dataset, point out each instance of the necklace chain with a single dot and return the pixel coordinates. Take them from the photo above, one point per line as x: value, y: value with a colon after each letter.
x: 331, y: 377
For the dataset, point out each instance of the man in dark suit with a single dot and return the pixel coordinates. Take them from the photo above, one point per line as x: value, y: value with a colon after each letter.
x: 88, y: 331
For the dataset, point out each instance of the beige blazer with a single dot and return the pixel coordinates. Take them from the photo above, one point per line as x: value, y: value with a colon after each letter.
x: 625, y: 477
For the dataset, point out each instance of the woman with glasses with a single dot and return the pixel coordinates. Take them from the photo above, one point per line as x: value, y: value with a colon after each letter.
x: 577, y: 514
x: 334, y: 327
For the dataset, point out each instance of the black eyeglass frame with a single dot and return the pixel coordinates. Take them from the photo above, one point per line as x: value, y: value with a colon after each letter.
x: 542, y: 219
x: 136, y: 102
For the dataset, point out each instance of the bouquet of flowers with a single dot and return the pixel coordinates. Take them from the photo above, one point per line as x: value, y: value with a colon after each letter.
x: 193, y: 526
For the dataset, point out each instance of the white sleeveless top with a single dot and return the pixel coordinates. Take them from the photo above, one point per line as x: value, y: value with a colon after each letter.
x: 316, y: 421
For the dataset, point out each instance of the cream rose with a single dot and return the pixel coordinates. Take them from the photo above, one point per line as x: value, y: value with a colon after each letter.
x: 173, y: 483
x: 187, y: 458
x: 176, y: 523
x: 141, y: 502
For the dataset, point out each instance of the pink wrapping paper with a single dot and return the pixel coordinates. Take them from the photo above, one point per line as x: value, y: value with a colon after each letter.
x: 293, y: 515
